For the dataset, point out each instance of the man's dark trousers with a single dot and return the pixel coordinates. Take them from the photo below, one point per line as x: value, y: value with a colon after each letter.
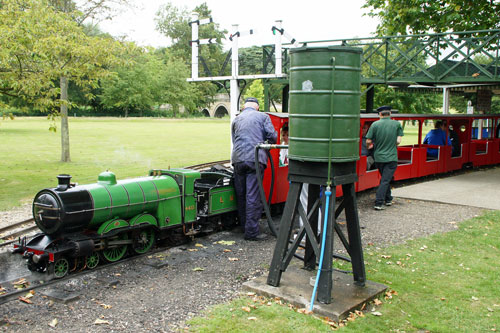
x: 247, y: 193
x: 384, y: 189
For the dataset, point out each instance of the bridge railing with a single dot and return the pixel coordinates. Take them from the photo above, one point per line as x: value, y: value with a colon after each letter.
x: 459, y: 57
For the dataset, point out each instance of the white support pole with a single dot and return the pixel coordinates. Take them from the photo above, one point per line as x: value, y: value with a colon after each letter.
x: 277, y: 49
x: 233, y: 86
x: 234, y: 89
x: 194, y: 45
x: 446, y: 100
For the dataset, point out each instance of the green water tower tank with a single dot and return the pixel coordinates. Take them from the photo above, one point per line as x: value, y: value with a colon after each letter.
x: 324, y: 87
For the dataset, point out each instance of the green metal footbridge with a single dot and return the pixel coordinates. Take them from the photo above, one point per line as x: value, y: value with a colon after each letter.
x: 426, y: 60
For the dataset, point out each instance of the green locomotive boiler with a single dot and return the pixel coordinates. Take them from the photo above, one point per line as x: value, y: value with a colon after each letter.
x: 82, y: 224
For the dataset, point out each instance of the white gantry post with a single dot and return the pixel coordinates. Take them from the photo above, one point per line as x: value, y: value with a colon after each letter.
x: 194, y: 45
x: 277, y: 48
x: 235, y: 90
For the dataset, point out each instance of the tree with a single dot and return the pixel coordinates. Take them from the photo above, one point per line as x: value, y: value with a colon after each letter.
x: 151, y: 80
x: 173, y: 22
x: 42, y: 49
x: 256, y: 89
x: 425, y: 16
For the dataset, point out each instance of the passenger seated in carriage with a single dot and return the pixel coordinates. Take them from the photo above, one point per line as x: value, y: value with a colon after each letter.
x: 437, y: 136
x: 456, y: 149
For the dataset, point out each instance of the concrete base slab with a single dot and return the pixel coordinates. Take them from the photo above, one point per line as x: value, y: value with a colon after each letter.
x: 295, y: 289
x: 60, y: 296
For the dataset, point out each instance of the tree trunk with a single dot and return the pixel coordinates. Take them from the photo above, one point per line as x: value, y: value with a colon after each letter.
x: 65, y: 157
x: 126, y: 112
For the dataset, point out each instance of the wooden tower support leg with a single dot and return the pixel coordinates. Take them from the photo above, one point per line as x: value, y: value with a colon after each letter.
x: 286, y: 225
x: 354, y: 234
x: 309, y: 255
x: 325, y: 280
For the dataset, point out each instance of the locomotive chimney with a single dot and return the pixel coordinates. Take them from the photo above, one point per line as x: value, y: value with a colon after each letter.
x: 63, y: 182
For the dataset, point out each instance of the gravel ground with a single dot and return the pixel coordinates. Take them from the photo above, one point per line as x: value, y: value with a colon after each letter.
x: 139, y: 296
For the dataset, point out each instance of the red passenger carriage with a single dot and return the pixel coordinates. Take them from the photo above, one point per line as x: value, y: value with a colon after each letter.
x: 479, y: 142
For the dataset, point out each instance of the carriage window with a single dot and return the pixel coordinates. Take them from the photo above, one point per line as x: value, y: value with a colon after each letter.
x: 410, y: 130
x: 482, y: 129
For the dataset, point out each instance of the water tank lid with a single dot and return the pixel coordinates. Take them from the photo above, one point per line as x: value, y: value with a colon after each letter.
x: 327, y: 48
x: 106, y: 178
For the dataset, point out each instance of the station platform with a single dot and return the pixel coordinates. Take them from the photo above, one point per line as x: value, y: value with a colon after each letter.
x: 477, y: 188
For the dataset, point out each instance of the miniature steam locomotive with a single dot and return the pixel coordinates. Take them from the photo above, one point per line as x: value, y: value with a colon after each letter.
x: 82, y: 224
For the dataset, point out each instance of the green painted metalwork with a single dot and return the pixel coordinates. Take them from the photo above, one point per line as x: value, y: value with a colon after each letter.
x: 112, y: 225
x: 185, y: 178
x: 159, y: 196
x: 115, y: 253
x: 222, y: 200
x: 144, y: 219
x: 468, y: 57
x: 61, y: 268
x: 324, y: 92
x: 92, y: 261
x: 143, y: 240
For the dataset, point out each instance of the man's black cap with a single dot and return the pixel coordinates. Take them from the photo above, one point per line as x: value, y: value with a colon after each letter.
x: 252, y: 99
x: 384, y: 108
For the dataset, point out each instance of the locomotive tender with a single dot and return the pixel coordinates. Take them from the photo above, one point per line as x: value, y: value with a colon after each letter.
x: 81, y: 224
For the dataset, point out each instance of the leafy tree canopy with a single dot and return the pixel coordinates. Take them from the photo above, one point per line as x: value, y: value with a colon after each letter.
x: 426, y: 16
x: 41, y: 45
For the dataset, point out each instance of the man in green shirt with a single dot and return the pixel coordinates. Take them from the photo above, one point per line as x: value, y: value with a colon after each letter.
x: 385, y: 135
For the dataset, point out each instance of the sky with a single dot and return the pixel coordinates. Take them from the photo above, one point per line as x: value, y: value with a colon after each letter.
x: 309, y: 20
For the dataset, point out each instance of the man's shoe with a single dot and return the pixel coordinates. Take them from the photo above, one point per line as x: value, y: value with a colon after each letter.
x: 257, y: 238
x: 379, y: 207
x: 388, y: 203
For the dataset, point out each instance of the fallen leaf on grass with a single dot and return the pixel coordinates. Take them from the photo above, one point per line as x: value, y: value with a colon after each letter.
x: 101, y: 322
x: 246, y: 309
x: 223, y: 242
x: 252, y: 318
x: 250, y: 293
x: 233, y: 259
x: 198, y: 269
x: 474, y: 298
x: 359, y: 313
x: 376, y: 313
x: 377, y: 301
x: 53, y: 323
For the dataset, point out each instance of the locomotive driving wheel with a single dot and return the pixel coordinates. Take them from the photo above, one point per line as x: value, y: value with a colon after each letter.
x: 115, y: 252
x: 92, y: 261
x: 143, y: 240
x: 61, y: 268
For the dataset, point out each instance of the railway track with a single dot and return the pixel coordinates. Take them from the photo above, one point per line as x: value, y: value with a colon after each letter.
x: 20, y: 286
x: 20, y: 228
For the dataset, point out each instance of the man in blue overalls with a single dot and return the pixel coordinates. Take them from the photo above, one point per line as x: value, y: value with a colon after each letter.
x: 249, y: 129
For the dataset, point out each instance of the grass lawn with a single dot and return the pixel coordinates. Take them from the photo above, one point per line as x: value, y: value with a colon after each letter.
x: 30, y: 154
x: 443, y: 283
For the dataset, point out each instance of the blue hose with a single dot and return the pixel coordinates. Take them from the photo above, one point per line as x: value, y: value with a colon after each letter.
x: 328, y: 193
